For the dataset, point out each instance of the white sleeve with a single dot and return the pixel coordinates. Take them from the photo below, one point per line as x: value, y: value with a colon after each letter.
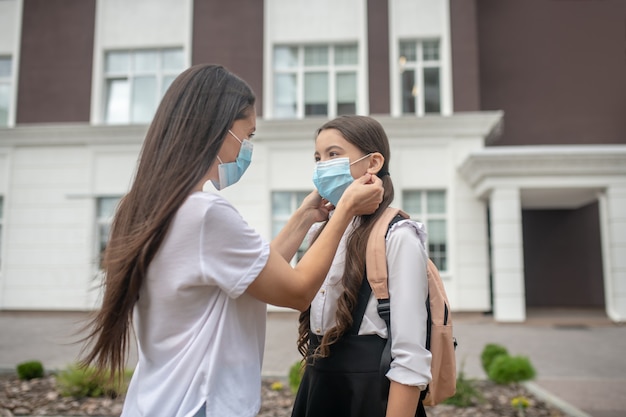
x: 232, y: 253
x: 408, y: 291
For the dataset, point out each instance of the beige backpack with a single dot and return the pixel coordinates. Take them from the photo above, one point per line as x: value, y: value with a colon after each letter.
x: 439, y: 338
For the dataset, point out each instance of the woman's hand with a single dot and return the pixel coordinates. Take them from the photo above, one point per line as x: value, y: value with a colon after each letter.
x: 315, y: 208
x: 363, y: 196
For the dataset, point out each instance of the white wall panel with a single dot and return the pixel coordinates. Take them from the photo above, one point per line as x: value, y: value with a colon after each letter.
x: 9, y: 19
x: 421, y: 18
x: 315, y: 21
x: 419, y: 167
x: 143, y: 23
x: 114, y: 170
x: 4, y: 172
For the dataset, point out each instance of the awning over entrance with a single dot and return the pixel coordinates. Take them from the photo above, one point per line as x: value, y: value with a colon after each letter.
x: 514, y: 179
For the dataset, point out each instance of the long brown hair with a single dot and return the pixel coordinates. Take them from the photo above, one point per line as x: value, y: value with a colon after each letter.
x: 180, y: 146
x: 369, y: 136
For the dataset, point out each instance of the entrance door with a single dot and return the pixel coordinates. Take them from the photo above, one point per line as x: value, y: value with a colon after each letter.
x: 563, y: 258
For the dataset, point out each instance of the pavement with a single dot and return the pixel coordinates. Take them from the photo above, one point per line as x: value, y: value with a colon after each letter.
x: 578, y: 355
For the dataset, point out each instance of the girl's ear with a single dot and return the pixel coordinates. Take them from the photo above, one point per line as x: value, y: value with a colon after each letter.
x: 377, y: 160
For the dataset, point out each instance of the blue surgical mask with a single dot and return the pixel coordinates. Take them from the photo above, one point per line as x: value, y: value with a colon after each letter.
x: 332, y: 177
x: 231, y: 172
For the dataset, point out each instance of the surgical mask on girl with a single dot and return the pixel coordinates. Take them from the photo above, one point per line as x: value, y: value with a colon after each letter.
x: 332, y: 177
x: 231, y: 172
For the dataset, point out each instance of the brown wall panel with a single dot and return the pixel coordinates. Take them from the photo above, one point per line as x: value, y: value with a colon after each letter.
x: 464, y: 45
x: 230, y: 33
x: 563, y: 258
x: 557, y: 69
x: 56, y: 61
x: 378, y: 52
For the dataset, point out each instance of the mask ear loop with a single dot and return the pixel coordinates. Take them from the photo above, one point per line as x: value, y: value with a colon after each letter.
x: 231, y: 132
x: 361, y: 158
x: 238, y: 140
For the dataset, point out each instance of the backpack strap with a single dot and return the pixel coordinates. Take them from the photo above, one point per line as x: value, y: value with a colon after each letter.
x: 376, y: 270
x: 375, y: 254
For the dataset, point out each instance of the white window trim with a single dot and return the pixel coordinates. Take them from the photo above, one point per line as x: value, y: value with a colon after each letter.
x: 424, y: 217
x: 132, y: 74
x: 293, y: 206
x: 98, y: 222
x: 331, y: 69
x: 2, y: 211
x: 445, y: 75
x: 11, y: 81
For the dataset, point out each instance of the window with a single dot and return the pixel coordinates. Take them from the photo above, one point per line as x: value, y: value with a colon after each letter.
x: 429, y: 207
x: 104, y: 216
x: 284, y: 204
x: 135, y: 82
x: 420, y: 80
x: 315, y: 80
x: 5, y: 90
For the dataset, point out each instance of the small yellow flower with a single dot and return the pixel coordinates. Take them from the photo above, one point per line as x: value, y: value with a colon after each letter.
x: 276, y: 386
x: 520, y: 402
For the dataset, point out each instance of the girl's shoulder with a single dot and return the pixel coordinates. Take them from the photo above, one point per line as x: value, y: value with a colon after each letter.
x: 408, y: 229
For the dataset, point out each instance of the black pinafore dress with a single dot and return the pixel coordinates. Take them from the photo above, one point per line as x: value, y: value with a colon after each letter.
x: 347, y: 383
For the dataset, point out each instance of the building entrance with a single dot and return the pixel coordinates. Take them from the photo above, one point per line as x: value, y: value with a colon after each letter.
x: 563, y: 258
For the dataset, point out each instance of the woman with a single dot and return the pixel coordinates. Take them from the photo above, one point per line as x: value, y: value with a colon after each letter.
x: 341, y: 335
x: 186, y: 272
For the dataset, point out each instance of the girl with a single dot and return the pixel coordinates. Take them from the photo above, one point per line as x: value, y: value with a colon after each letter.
x: 188, y: 274
x: 341, y: 335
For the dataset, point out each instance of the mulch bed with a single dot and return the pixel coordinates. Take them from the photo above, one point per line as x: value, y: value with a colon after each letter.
x: 40, y: 397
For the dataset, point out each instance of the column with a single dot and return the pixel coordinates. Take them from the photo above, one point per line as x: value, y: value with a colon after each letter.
x: 507, y: 255
x: 613, y: 229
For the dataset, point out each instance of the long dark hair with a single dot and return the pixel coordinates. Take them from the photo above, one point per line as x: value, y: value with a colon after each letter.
x: 369, y: 136
x: 181, y: 144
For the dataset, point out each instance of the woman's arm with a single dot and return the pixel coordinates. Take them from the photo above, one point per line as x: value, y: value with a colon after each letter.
x: 312, y: 210
x: 280, y: 284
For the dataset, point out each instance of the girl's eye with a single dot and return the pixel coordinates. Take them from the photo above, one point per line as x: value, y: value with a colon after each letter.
x: 250, y: 136
x: 333, y: 154
x: 317, y: 159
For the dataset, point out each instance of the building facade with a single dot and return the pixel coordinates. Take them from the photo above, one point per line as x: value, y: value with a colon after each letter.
x: 506, y: 121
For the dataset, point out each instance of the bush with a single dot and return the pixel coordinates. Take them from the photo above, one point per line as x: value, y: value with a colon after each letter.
x: 466, y: 394
x: 491, y: 352
x: 29, y: 370
x: 80, y: 382
x: 506, y: 369
x: 295, y: 376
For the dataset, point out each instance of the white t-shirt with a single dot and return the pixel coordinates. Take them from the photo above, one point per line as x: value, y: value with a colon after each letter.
x: 408, y: 290
x: 200, y: 336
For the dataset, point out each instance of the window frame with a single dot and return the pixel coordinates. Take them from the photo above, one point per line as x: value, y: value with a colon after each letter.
x: 418, y: 68
x: 1, y: 229
x: 101, y: 221
x: 331, y: 69
x: 295, y: 200
x: 130, y: 75
x: 8, y: 81
x: 425, y: 217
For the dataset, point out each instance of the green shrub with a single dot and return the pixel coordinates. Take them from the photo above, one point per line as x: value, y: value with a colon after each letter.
x: 30, y: 370
x: 506, y: 369
x: 491, y: 352
x: 295, y: 376
x: 466, y: 394
x: 80, y: 382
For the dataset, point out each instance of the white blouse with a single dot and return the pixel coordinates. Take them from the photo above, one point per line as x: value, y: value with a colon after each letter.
x: 200, y: 335
x: 408, y: 290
